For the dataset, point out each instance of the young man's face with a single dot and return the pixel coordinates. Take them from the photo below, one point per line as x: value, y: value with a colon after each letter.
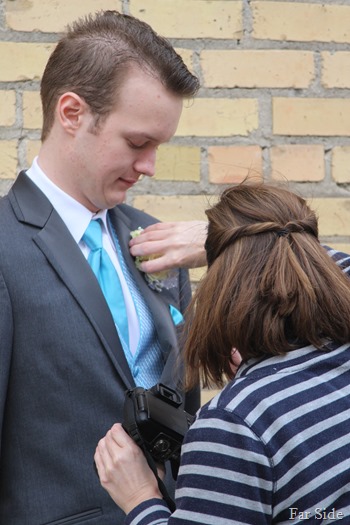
x: 111, y: 158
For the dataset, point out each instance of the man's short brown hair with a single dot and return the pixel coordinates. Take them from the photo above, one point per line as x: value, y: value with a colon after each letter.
x: 96, y: 53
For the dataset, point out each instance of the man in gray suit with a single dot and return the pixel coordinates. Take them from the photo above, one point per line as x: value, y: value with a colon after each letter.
x: 112, y: 91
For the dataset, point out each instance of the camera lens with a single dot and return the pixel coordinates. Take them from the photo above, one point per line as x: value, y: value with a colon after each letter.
x: 161, y: 446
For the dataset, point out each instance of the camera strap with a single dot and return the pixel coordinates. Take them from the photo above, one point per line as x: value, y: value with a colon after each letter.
x: 168, y: 500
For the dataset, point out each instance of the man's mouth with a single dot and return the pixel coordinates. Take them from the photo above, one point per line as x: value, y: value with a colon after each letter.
x: 129, y: 182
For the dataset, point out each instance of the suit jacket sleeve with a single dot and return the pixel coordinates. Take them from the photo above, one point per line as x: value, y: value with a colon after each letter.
x: 6, y: 331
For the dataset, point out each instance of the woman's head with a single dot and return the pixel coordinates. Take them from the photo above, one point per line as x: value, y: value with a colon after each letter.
x: 270, y: 285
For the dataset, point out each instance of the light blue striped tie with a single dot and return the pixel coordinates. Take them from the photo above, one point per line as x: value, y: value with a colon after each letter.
x: 107, y: 277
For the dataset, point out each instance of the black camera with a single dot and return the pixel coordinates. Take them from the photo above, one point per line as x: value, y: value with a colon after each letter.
x: 156, y: 422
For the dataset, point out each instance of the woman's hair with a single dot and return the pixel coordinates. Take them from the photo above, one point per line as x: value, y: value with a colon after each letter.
x: 270, y: 286
x: 95, y: 55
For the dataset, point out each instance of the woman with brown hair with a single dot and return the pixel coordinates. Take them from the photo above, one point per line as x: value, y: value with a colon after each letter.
x: 274, y: 445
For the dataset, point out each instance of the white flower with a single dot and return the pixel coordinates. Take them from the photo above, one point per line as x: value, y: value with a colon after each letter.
x: 156, y: 281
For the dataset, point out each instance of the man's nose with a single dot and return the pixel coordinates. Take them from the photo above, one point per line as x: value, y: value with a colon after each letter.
x: 146, y: 162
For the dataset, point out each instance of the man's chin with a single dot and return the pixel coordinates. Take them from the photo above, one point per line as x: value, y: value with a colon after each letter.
x: 118, y: 198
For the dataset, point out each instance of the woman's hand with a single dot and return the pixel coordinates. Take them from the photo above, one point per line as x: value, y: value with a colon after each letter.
x: 175, y: 245
x: 123, y: 470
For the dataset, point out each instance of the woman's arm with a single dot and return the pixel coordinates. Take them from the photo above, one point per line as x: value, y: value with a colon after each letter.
x: 224, y: 478
x: 175, y: 245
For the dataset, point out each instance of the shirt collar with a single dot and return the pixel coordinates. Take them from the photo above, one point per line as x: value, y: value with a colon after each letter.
x: 74, y: 215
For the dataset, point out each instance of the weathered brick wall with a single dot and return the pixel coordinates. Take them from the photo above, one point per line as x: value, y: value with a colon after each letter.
x: 274, y: 102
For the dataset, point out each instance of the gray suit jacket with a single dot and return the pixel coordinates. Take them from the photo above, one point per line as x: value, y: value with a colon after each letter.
x: 63, y: 373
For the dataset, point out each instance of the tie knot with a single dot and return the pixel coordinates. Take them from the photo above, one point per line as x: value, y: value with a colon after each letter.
x: 93, y: 235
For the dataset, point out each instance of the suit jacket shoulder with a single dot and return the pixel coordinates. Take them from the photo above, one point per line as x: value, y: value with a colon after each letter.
x: 139, y: 217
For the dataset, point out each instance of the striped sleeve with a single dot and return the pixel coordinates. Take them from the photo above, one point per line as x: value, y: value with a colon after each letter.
x: 225, y: 477
x: 341, y: 259
x: 150, y: 512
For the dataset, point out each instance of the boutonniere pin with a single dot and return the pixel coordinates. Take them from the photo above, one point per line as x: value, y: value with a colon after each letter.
x: 156, y: 281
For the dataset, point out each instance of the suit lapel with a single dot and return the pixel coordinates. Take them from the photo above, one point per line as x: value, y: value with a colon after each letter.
x: 157, y: 302
x: 54, y: 240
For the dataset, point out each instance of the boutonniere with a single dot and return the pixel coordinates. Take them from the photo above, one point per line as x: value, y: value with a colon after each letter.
x: 156, y: 281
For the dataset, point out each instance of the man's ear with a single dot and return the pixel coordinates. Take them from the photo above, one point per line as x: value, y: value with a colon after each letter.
x: 70, y: 110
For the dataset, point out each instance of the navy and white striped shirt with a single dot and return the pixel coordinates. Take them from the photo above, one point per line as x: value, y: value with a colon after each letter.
x: 272, y: 448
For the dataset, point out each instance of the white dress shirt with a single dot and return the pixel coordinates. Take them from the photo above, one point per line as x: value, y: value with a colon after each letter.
x: 77, y: 218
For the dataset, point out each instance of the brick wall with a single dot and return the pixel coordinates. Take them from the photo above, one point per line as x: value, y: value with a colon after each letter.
x: 274, y: 102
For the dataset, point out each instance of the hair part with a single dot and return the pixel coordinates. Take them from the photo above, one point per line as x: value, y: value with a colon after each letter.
x: 270, y: 286
x: 94, y: 57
